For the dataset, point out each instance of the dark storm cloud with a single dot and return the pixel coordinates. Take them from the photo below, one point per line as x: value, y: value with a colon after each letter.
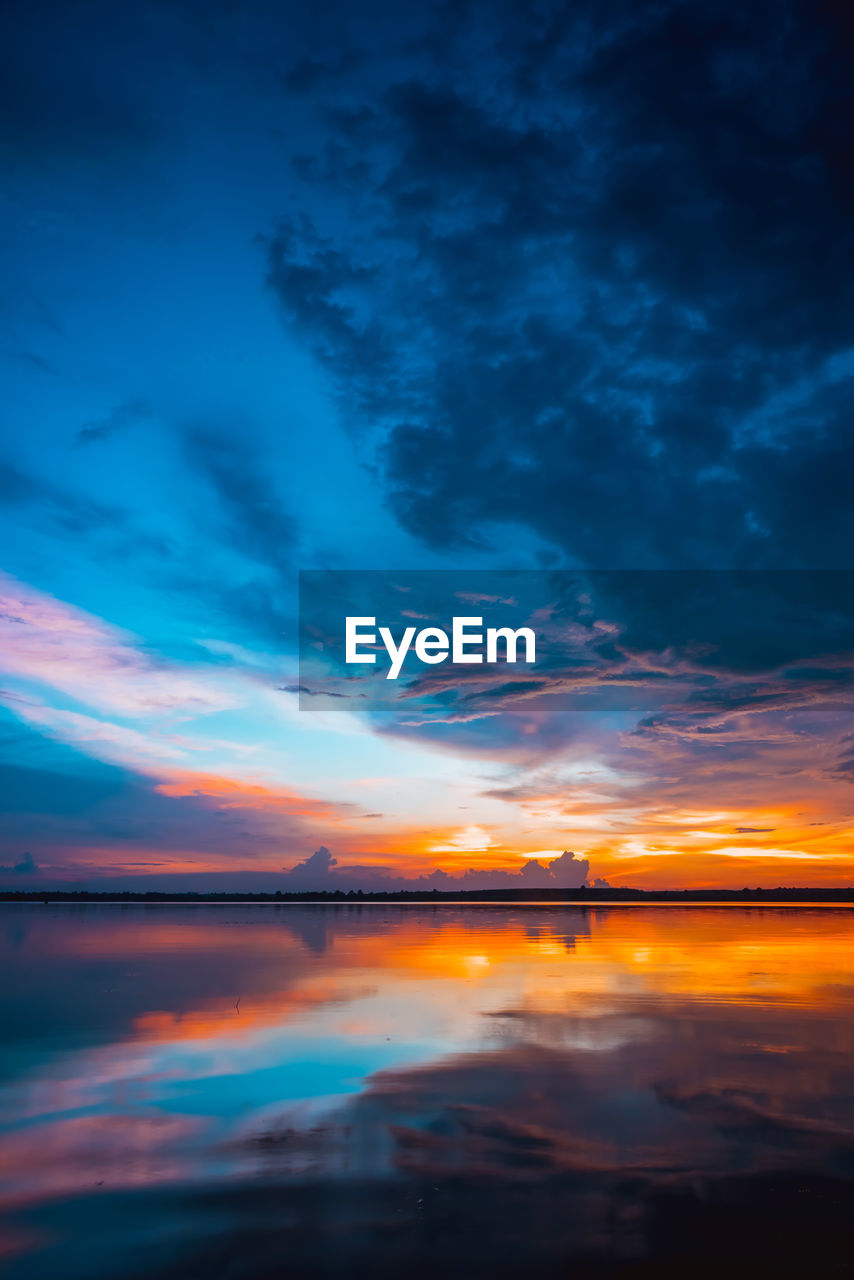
x: 598, y: 284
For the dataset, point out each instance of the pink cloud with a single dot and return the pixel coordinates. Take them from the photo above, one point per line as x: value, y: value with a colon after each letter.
x: 45, y: 640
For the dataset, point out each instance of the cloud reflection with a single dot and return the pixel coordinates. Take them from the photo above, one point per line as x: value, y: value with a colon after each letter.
x: 345, y: 1060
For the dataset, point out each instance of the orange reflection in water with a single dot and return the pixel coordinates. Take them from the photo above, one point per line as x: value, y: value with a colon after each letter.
x: 156, y: 1047
x: 266, y: 971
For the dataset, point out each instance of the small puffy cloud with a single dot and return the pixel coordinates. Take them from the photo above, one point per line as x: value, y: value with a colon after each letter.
x: 26, y: 867
x: 322, y: 871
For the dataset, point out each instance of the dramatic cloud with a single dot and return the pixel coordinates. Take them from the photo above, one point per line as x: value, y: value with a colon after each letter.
x: 561, y: 286
x: 597, y: 287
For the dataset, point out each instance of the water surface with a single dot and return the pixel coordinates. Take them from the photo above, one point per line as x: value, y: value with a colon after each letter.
x: 385, y: 1090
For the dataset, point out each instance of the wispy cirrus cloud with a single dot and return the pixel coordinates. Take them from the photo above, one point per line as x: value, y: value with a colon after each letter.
x: 52, y: 643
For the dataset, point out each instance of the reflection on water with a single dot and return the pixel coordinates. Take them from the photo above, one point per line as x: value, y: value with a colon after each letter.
x: 258, y: 1091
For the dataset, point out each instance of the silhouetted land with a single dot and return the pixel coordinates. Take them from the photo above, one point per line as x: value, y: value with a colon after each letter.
x: 436, y: 897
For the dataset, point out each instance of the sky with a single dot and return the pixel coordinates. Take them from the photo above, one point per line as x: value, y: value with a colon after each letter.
x: 550, y: 289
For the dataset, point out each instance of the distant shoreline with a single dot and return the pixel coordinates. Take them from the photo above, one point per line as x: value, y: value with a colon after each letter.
x: 783, y: 896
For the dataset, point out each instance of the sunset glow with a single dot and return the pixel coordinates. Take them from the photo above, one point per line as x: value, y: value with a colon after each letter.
x: 237, y: 779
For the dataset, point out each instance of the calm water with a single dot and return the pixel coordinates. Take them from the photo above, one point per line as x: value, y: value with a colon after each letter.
x: 404, y: 1091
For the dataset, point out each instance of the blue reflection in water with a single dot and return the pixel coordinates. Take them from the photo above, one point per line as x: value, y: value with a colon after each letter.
x: 205, y: 1091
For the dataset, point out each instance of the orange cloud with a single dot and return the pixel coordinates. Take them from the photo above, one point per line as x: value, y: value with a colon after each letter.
x: 240, y: 793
